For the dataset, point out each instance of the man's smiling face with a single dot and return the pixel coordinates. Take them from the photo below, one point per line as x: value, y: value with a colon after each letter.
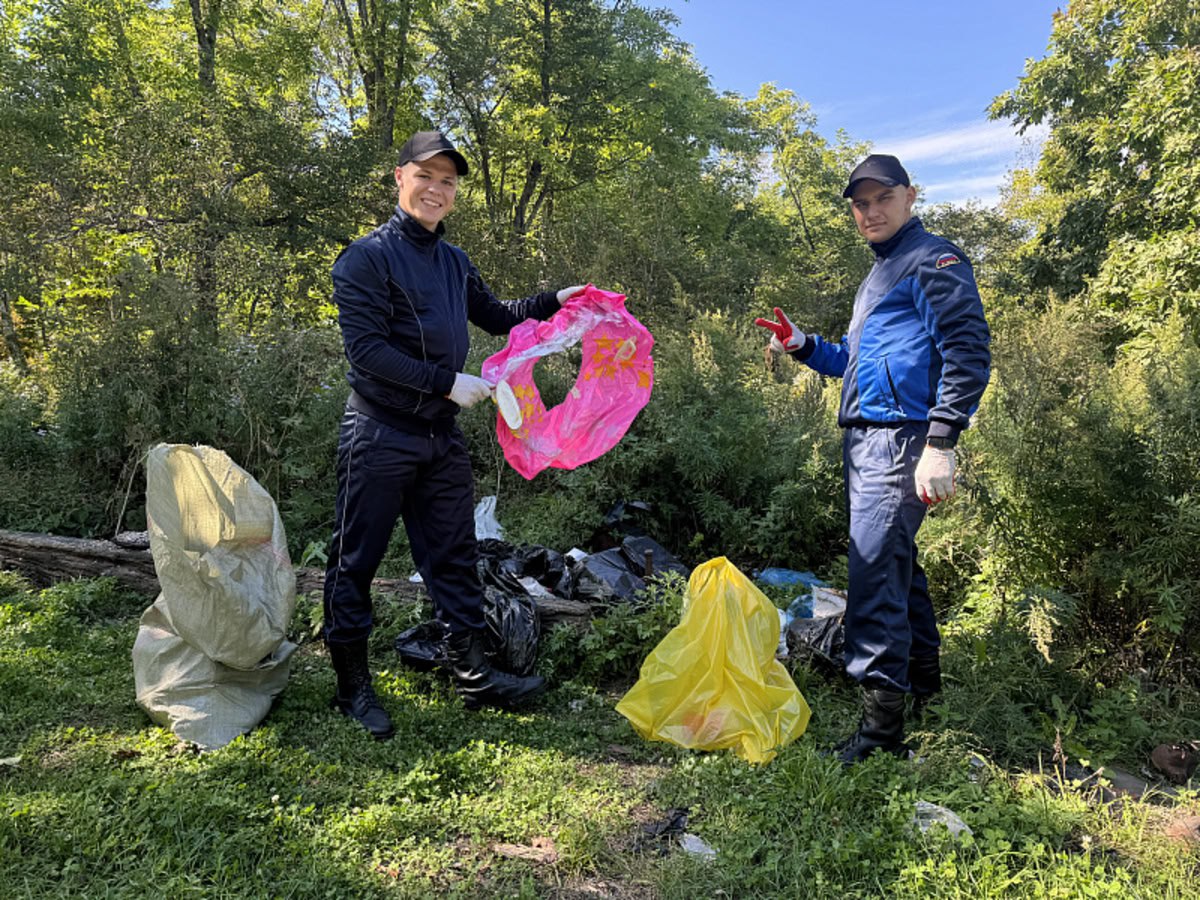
x: 879, y: 210
x: 427, y: 189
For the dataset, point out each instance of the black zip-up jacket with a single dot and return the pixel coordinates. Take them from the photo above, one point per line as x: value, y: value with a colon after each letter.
x: 404, y: 297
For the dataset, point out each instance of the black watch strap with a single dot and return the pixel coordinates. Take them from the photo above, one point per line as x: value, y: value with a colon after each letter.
x: 940, y: 443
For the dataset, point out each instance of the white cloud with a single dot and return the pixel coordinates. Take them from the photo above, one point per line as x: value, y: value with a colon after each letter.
x: 966, y: 185
x: 973, y: 141
x: 984, y: 188
x: 967, y: 162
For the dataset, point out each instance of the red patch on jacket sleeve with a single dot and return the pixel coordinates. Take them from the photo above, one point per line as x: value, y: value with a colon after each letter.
x: 947, y: 259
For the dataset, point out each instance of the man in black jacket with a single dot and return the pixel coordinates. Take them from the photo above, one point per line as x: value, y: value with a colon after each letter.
x: 404, y: 297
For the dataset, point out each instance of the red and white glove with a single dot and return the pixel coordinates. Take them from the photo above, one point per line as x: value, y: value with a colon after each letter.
x: 785, y: 338
x: 935, y: 475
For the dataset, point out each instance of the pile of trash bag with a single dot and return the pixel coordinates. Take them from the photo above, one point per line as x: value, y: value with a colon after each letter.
x: 529, y: 569
x: 514, y: 577
x: 812, y: 626
x: 620, y: 572
x: 819, y: 635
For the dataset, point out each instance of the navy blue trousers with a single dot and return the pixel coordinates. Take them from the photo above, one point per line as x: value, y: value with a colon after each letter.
x: 889, y: 616
x: 385, y: 474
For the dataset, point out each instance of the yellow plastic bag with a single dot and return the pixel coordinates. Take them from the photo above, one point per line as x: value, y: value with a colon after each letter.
x: 713, y: 682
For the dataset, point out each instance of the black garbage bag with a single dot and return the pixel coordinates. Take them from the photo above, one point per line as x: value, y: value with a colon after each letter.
x: 423, y: 647
x: 821, y: 640
x: 513, y: 631
x: 618, y: 574
x: 606, y: 577
x: 511, y: 634
x: 657, y: 835
x: 548, y: 567
x: 499, y: 567
x: 502, y: 566
x: 624, y: 515
x: 624, y: 518
x: 641, y: 550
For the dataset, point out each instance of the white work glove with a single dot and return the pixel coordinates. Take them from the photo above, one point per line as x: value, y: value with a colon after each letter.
x: 567, y: 293
x: 785, y: 337
x: 469, y: 390
x: 935, y: 475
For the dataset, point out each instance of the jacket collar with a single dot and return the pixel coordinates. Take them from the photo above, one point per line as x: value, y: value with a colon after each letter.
x: 886, y: 248
x: 413, y: 231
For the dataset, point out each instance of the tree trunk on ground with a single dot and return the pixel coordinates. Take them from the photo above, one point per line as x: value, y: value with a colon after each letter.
x: 46, y: 558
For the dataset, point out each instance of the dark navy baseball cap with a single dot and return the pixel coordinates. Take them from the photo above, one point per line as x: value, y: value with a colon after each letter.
x: 877, y: 167
x: 426, y: 144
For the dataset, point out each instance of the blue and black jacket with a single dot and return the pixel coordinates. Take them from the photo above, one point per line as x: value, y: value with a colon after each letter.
x: 404, y: 297
x: 918, y: 343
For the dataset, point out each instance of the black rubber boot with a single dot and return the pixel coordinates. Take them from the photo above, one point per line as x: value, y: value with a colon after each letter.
x: 881, y: 728
x: 925, y: 676
x: 355, y: 696
x: 481, y: 685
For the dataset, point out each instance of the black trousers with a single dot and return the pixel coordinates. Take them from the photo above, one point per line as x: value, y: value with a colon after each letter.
x: 385, y: 474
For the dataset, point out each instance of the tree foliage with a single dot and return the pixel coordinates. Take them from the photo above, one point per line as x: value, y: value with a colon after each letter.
x: 1086, y: 466
x: 1120, y: 91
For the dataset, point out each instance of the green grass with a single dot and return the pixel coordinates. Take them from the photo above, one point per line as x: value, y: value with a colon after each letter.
x: 104, y: 804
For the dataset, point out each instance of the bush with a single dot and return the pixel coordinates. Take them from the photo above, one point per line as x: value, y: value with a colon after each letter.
x: 156, y: 372
x: 39, y: 490
x: 614, y: 645
x: 1086, y: 478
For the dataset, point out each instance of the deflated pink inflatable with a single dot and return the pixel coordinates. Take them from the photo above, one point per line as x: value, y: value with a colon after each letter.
x: 614, y: 383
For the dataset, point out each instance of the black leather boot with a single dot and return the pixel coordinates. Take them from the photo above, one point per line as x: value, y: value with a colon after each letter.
x: 925, y: 676
x: 478, y: 683
x: 355, y: 696
x: 881, y: 728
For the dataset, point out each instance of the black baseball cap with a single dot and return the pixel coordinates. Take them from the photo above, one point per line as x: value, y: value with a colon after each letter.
x: 877, y: 167
x: 426, y: 144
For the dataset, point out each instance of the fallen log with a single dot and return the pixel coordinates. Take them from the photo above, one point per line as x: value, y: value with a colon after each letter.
x: 46, y: 558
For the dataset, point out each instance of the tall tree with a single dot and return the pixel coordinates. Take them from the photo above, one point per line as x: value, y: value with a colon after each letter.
x: 1117, y: 193
x: 815, y: 274
x: 206, y: 19
x: 550, y: 95
x: 379, y: 34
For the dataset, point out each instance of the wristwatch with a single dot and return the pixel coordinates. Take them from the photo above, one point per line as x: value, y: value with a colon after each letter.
x: 940, y: 443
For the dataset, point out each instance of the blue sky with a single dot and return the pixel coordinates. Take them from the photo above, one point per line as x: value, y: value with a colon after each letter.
x: 914, y: 79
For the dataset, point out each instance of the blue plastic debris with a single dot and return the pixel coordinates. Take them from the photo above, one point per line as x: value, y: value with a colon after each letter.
x: 775, y: 577
x: 801, y: 607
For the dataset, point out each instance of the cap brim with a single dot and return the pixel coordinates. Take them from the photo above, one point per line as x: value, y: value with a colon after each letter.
x: 460, y: 161
x: 886, y: 182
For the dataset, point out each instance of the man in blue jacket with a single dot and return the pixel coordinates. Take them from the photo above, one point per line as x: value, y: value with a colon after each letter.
x: 913, y: 367
x: 404, y: 297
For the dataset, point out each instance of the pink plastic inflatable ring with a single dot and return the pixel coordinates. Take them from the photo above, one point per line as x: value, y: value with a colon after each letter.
x: 614, y: 383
